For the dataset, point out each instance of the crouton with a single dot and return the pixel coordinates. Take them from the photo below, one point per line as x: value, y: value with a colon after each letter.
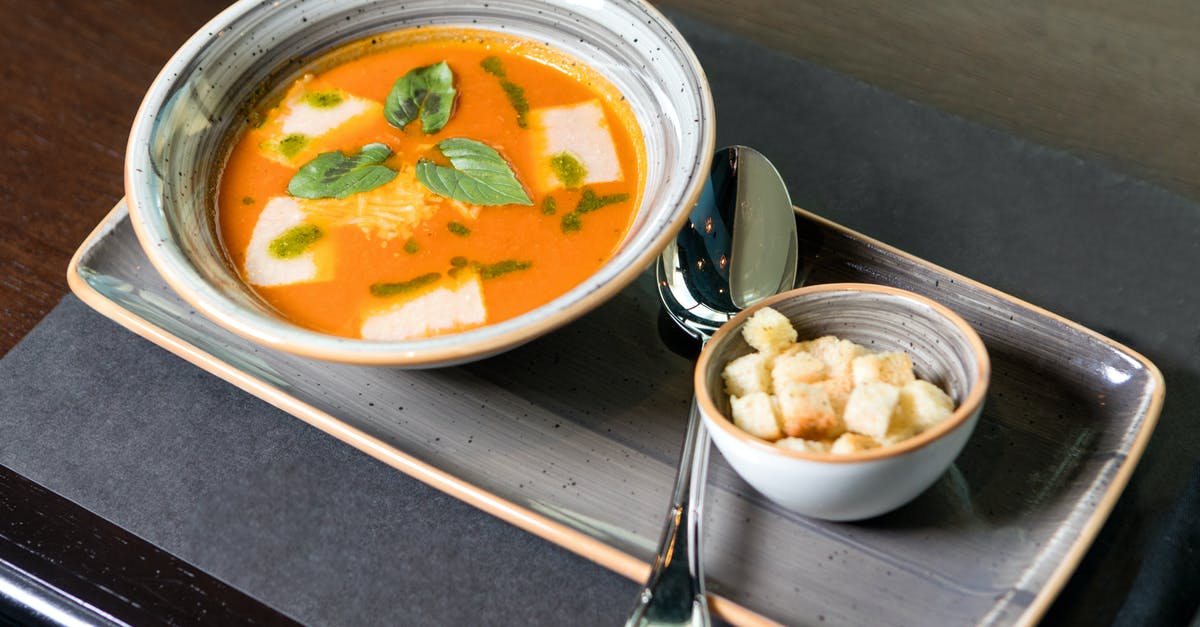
x: 797, y: 367
x: 748, y: 374
x: 922, y: 405
x: 869, y: 410
x: 769, y: 331
x: 755, y: 414
x: 852, y: 443
x: 806, y: 446
x: 893, y: 368
x: 805, y: 395
x: 837, y: 354
x: 805, y: 412
x: 838, y: 390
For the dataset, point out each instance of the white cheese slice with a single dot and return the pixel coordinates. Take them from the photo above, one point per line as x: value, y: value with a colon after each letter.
x: 295, y: 131
x: 311, y: 121
x: 581, y: 131
x: 453, y: 304
x: 280, y: 214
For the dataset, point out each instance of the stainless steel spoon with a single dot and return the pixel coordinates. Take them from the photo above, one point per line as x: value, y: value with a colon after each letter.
x: 739, y: 247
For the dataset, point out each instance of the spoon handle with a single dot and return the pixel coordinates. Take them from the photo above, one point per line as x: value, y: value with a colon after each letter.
x: 674, y: 593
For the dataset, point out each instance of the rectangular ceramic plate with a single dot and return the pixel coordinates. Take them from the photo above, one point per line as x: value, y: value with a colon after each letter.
x: 574, y: 437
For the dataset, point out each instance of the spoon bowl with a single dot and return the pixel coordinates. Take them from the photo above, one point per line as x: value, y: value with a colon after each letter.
x: 698, y: 281
x: 738, y: 247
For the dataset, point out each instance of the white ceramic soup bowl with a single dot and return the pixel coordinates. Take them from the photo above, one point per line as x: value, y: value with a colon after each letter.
x: 199, y: 102
x: 944, y: 350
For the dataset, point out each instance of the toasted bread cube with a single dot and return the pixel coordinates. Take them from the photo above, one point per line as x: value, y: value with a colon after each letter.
x: 837, y: 354
x: 894, y: 368
x: 755, y: 414
x: 805, y: 446
x: 797, y: 367
x: 869, y: 410
x: 805, y: 412
x: 850, y: 442
x: 838, y: 390
x: 748, y: 374
x: 769, y: 331
x: 922, y: 405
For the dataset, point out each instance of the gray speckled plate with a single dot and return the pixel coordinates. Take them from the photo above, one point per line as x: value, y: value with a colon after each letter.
x: 574, y: 438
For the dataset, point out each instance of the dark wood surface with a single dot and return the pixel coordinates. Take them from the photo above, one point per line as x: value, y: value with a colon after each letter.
x: 1099, y: 79
x: 72, y: 74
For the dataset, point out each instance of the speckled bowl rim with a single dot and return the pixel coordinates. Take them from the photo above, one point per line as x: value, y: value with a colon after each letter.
x: 470, y: 345
x: 967, y: 408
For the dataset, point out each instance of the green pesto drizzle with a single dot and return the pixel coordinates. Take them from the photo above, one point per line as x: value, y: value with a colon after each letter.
x: 493, y: 66
x: 291, y: 145
x: 404, y: 287
x: 412, y: 247
x: 324, y: 99
x: 589, y: 202
x: 247, y: 200
x: 549, y: 205
x: 501, y: 268
x: 568, y: 169
x: 515, y: 93
x: 294, y: 241
x: 459, y: 262
x: 571, y: 222
x: 516, y: 96
x: 458, y: 229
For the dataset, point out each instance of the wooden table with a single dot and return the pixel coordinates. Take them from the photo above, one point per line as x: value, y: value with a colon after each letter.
x: 73, y: 74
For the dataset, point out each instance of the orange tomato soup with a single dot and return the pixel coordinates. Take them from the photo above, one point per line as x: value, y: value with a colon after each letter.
x: 429, y: 237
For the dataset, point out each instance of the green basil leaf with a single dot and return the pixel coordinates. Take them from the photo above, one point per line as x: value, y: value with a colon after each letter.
x: 336, y: 175
x: 479, y: 175
x: 425, y: 92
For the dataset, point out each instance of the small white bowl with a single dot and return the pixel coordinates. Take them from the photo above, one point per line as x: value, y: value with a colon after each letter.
x: 179, y: 141
x: 945, y: 351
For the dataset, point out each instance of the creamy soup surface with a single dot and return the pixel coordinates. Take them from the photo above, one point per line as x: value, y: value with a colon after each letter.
x: 430, y: 181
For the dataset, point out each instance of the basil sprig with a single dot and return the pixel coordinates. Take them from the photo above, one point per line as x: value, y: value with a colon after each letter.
x: 479, y: 175
x: 336, y: 175
x: 425, y: 92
